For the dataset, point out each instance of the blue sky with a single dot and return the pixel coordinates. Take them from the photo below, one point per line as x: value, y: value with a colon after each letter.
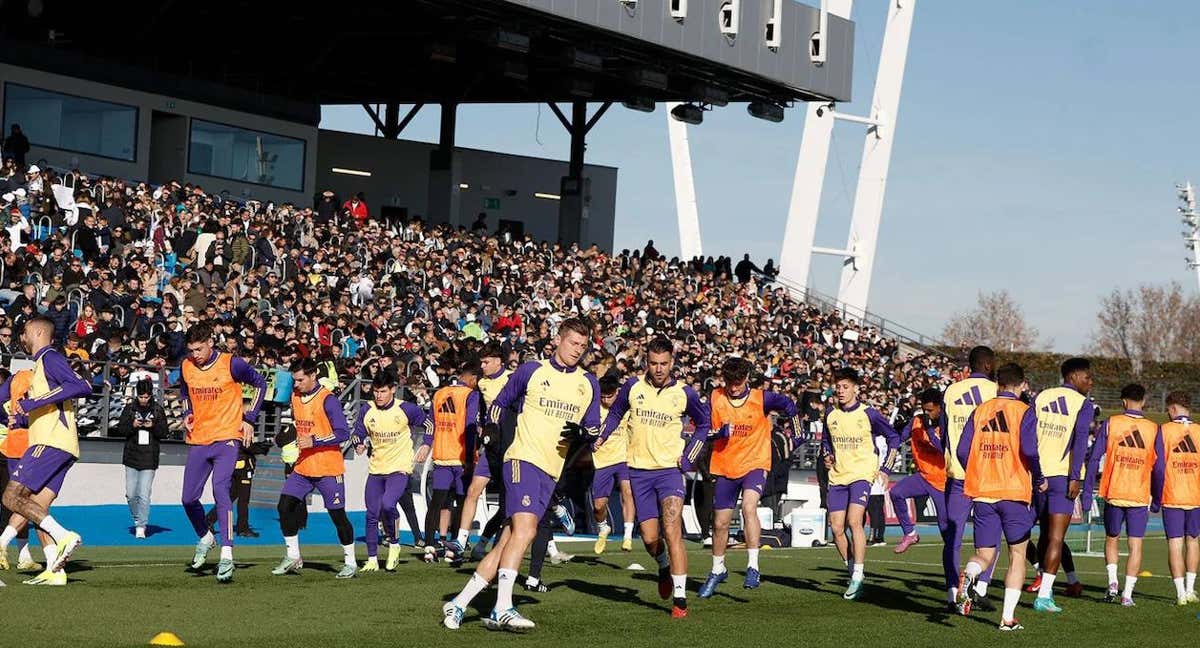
x: 1037, y: 149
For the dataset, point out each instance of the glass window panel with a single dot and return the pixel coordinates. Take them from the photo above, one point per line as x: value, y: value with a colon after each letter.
x: 246, y: 155
x: 70, y: 123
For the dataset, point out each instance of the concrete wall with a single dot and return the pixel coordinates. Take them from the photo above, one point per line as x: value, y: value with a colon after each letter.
x: 400, y: 177
x: 139, y: 169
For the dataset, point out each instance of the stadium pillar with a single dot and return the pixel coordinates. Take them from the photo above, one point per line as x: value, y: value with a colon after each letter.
x: 877, y: 155
x: 445, y: 172
x: 801, y: 228
x: 686, y: 211
x: 574, y: 188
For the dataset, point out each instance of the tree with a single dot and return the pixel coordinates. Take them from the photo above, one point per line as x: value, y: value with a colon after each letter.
x: 1148, y: 324
x: 997, y: 321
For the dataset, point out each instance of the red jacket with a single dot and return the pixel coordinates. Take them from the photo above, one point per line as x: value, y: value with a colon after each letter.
x: 357, y: 211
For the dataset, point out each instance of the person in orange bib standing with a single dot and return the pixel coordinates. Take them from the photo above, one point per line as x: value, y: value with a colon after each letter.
x: 16, y: 441
x: 455, y: 428
x: 998, y: 450
x: 740, y: 460
x: 1132, y: 449
x: 1179, y: 494
x: 217, y: 427
x: 321, y: 429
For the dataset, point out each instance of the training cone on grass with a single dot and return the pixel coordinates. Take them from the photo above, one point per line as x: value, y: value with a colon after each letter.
x: 166, y: 639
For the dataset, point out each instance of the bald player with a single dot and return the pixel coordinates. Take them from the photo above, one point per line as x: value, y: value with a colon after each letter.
x: 1133, y: 454
x: 960, y: 399
x: 53, y: 449
x: 217, y: 426
x: 659, y: 455
x: 998, y: 452
x: 559, y: 402
x: 1179, y: 495
x: 740, y: 460
x: 853, y: 462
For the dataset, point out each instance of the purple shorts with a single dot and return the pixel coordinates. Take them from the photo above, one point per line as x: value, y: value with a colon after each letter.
x: 448, y: 478
x: 332, y: 489
x: 12, y: 465
x: 1179, y: 522
x: 43, y: 467
x: 651, y: 487
x: 841, y: 497
x: 527, y: 488
x: 606, y: 478
x: 482, y: 467
x: 1134, y: 518
x: 1054, y: 501
x: 727, y: 491
x: 1013, y: 520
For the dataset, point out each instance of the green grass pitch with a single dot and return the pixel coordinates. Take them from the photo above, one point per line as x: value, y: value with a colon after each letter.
x: 124, y: 596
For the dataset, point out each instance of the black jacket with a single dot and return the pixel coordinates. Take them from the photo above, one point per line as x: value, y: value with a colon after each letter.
x: 142, y: 457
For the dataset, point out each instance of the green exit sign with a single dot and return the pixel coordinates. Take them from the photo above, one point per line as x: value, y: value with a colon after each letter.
x: 491, y: 203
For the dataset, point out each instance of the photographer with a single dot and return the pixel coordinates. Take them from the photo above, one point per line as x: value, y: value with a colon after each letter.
x: 143, y: 424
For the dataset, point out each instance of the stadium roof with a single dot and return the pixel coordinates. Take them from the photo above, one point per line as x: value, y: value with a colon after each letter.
x: 418, y: 51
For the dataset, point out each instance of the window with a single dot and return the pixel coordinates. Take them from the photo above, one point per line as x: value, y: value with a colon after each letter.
x: 69, y: 123
x: 244, y: 155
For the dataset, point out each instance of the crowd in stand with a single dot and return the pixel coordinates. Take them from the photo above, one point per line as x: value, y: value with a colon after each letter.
x: 125, y: 268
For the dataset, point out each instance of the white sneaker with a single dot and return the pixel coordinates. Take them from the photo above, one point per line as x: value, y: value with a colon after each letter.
x: 140, y: 532
x: 561, y: 557
x: 509, y: 620
x: 707, y: 542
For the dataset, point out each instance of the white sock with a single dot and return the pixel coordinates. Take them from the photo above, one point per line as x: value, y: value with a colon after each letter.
x: 1047, y: 588
x: 718, y: 565
x: 973, y: 569
x: 1180, y: 589
x: 1130, y: 581
x: 532, y: 581
x: 51, y: 553
x: 679, y: 585
x: 504, y: 585
x: 293, y: 546
x: 603, y: 529
x: 858, y: 572
x: 1071, y: 579
x: 207, y: 538
x: 226, y: 553
x: 551, y: 550
x: 348, y: 555
x: 629, y: 530
x: 753, y: 554
x: 1191, y: 581
x: 1111, y: 568
x: 7, y: 537
x: 1011, y: 597
x: 474, y: 586
x: 51, y: 526
x: 952, y: 595
x: 463, y: 534
x: 981, y: 587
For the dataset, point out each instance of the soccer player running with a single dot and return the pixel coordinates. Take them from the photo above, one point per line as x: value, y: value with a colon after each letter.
x: 959, y: 401
x: 455, y: 428
x: 386, y: 423
x: 321, y: 429
x: 1133, y: 452
x: 53, y: 449
x: 853, y: 463
x: 558, y: 402
x: 1064, y: 416
x: 217, y: 426
x: 13, y: 446
x: 999, y: 454
x: 924, y: 432
x: 609, y: 461
x: 740, y: 460
x: 1179, y: 495
x: 491, y: 452
x: 658, y: 456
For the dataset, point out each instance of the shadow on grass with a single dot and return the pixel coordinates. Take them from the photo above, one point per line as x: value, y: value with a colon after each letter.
x: 608, y: 592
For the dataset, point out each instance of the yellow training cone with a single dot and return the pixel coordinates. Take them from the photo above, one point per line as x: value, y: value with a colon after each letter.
x: 1145, y: 574
x: 166, y: 639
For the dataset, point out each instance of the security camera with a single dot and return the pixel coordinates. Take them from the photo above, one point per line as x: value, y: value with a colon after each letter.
x: 823, y: 109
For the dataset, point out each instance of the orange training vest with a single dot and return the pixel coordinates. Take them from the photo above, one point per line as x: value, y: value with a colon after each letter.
x: 1181, y: 446
x: 311, y: 420
x: 1128, y: 461
x: 450, y: 425
x: 995, y: 469
x: 931, y: 464
x: 216, y: 400
x: 17, y: 442
x: 748, y: 446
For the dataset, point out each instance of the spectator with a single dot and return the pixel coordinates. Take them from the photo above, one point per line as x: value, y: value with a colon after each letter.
x: 744, y: 269
x: 356, y: 208
x: 143, y: 424
x: 17, y: 145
